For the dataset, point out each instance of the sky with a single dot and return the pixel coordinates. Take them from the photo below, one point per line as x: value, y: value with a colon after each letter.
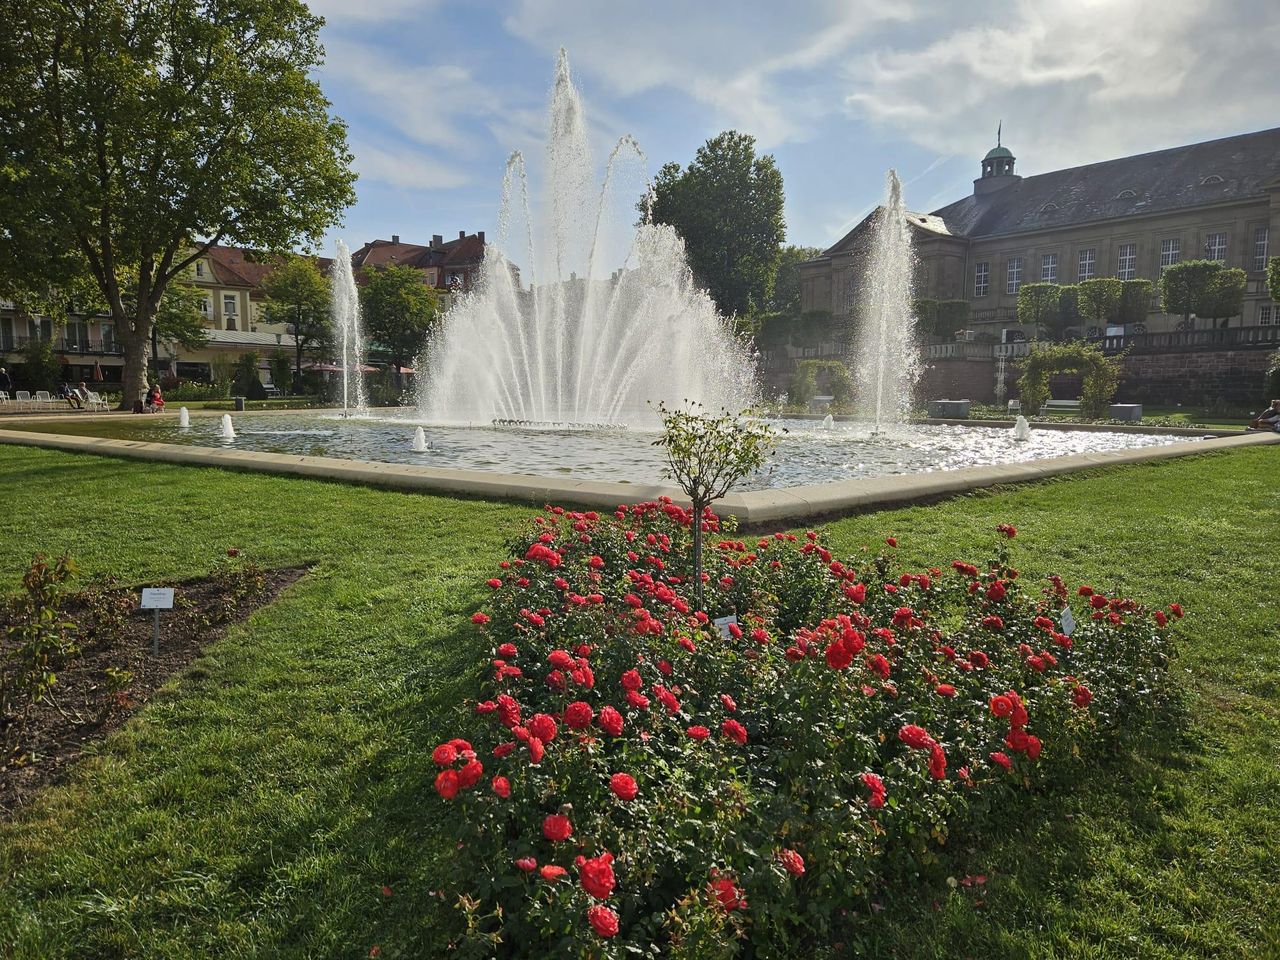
x: 437, y: 94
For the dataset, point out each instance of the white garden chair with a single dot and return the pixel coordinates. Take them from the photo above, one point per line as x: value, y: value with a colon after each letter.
x: 22, y: 399
x: 4, y: 399
x: 44, y: 400
x: 95, y: 402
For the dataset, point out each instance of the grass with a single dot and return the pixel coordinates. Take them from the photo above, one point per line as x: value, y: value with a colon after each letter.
x: 259, y: 805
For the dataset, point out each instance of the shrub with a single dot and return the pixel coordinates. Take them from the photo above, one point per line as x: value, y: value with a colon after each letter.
x: 635, y: 781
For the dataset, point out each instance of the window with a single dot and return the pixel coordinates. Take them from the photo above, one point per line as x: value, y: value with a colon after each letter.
x: 200, y: 268
x: 1215, y: 246
x: 6, y: 334
x: 108, y: 338
x: 981, y: 278
x: 205, y: 307
x: 1013, y: 275
x: 1170, y: 252
x: 40, y: 329
x: 1260, y: 238
x: 1088, y: 263
x: 229, y: 304
x: 1264, y: 314
x: 76, y: 335
x: 1049, y: 267
x: 1127, y: 263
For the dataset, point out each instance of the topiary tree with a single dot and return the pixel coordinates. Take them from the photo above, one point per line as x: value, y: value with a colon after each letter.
x: 952, y: 316
x: 926, y: 314
x: 1068, y: 316
x: 706, y: 456
x: 1273, y: 278
x: 1038, y: 305
x: 1101, y: 375
x: 1183, y: 285
x: 1135, y: 301
x: 1223, y: 295
x: 1099, y: 299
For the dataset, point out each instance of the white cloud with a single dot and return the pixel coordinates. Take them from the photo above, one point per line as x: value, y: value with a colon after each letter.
x: 367, y: 11
x: 1076, y: 82
x: 405, y: 169
x: 738, y: 63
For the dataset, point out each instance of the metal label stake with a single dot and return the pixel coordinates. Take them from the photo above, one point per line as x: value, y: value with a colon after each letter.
x: 157, y: 599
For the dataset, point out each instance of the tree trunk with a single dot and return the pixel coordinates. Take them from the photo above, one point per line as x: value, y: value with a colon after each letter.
x: 137, y: 356
x: 697, y: 554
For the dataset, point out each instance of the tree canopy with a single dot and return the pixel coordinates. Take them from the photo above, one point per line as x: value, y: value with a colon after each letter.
x: 1184, y: 285
x: 727, y: 205
x: 1038, y: 307
x: 134, y: 136
x: 785, y: 298
x: 299, y: 296
x: 1098, y: 299
x: 399, y: 310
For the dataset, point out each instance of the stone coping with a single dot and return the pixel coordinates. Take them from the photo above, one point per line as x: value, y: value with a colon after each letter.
x: 751, y: 508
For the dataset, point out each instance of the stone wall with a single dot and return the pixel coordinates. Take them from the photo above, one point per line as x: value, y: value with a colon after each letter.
x: 1232, y: 378
x: 963, y: 379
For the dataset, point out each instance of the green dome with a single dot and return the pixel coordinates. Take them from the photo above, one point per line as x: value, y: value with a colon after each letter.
x: 999, y: 153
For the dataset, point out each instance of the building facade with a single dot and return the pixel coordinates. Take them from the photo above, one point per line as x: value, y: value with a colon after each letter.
x: 1126, y: 218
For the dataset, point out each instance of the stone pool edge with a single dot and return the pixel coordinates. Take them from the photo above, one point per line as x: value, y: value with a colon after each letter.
x: 753, y: 507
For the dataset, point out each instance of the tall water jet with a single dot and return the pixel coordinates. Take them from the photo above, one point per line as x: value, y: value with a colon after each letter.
x: 583, y: 318
x: 419, y: 441
x: 184, y: 418
x: 345, y: 299
x: 227, y: 432
x: 888, y: 362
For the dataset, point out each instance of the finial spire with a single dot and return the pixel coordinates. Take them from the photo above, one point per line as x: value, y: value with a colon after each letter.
x: 999, y: 129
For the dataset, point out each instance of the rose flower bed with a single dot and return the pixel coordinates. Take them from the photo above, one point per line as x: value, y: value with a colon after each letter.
x: 634, y: 781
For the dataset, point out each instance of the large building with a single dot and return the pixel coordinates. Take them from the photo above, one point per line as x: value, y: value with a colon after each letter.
x: 1126, y: 218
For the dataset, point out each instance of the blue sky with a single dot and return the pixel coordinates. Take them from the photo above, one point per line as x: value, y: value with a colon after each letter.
x: 436, y: 94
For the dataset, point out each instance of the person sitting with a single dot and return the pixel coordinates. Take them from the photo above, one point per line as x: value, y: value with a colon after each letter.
x: 82, y: 392
x: 73, y: 399
x: 1268, y: 419
x: 155, y: 401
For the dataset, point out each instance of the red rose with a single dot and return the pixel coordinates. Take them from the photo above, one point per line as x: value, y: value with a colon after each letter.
x: 536, y: 750
x: 556, y: 827
x: 502, y: 787
x: 551, y: 873
x: 1008, y: 529
x: 444, y: 754
x: 623, y: 786
x: 494, y: 582
x: 916, y: 737
x: 447, y: 784
x: 610, y: 721
x: 543, y: 727
x: 792, y: 862
x: 578, y: 715
x: 979, y: 659
x: 728, y: 702
x: 631, y: 680
x: 527, y: 864
x: 727, y: 894
x: 698, y: 733
x: 891, y: 541
x: 1082, y: 696
x: 637, y: 699
x: 993, y: 622
x: 480, y: 618
x: 945, y: 690
x: 879, y: 665
x: 996, y: 591
x: 937, y: 762
x: 1160, y: 618
x: 508, y: 651
x: 1176, y: 610
x: 1033, y: 747
x: 876, y: 786
x: 470, y: 774
x: 596, y: 875
x: 1097, y: 601
x: 1085, y: 590
x: 667, y: 698
x: 1002, y: 759
x: 561, y: 660
x: 838, y: 656
x: 734, y: 731
x: 603, y: 921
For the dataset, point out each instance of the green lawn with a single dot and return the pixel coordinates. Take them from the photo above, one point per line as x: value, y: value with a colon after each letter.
x: 258, y: 806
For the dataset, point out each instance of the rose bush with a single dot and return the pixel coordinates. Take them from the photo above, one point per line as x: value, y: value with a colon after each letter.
x: 633, y: 779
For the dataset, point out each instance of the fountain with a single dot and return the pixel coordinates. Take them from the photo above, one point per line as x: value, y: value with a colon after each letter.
x: 347, y: 329
x: 828, y: 422
x: 601, y: 319
x: 888, y: 361
x: 419, y: 441
x: 184, y: 418
x: 1021, y: 429
x: 228, y: 432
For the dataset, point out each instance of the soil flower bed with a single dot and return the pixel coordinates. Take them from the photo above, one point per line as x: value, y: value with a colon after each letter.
x: 639, y: 777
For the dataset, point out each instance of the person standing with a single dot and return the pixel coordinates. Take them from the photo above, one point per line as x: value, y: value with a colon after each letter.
x: 6, y: 385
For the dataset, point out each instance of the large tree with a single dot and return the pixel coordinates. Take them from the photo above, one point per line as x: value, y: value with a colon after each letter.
x: 785, y: 298
x: 136, y: 135
x: 399, y: 310
x: 727, y: 205
x: 299, y: 296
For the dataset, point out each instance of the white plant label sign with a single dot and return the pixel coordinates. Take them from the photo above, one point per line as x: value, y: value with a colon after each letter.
x: 1068, y: 621
x: 722, y: 624
x: 157, y: 598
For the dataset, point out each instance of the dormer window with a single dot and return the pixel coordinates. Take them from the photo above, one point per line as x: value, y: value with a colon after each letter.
x: 200, y: 269
x: 1211, y: 178
x: 1126, y: 194
x: 1049, y: 207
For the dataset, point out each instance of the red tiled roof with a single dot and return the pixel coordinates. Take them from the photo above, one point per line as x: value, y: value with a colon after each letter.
x: 240, y: 267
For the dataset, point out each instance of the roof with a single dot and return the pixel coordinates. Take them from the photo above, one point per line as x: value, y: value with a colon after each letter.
x: 1215, y: 171
x: 997, y: 153
x: 238, y: 267
x: 927, y: 222
x: 468, y: 249
x: 249, y: 338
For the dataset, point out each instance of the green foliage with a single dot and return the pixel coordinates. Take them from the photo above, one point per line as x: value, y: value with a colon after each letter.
x: 1098, y: 300
x: 1101, y: 375
x: 785, y: 298
x: 223, y: 370
x: 1183, y: 285
x: 707, y: 454
x: 1223, y: 294
x: 804, y: 382
x: 1068, y: 315
x: 128, y: 130
x: 281, y: 373
x: 1038, y: 306
x: 178, y: 318
x: 1273, y: 278
x: 1135, y: 301
x: 399, y: 310
x: 727, y: 206
x: 35, y: 641
x: 245, y: 374
x: 925, y: 311
x: 1272, y: 388
x: 40, y: 367
x: 299, y: 296
x: 953, y: 315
